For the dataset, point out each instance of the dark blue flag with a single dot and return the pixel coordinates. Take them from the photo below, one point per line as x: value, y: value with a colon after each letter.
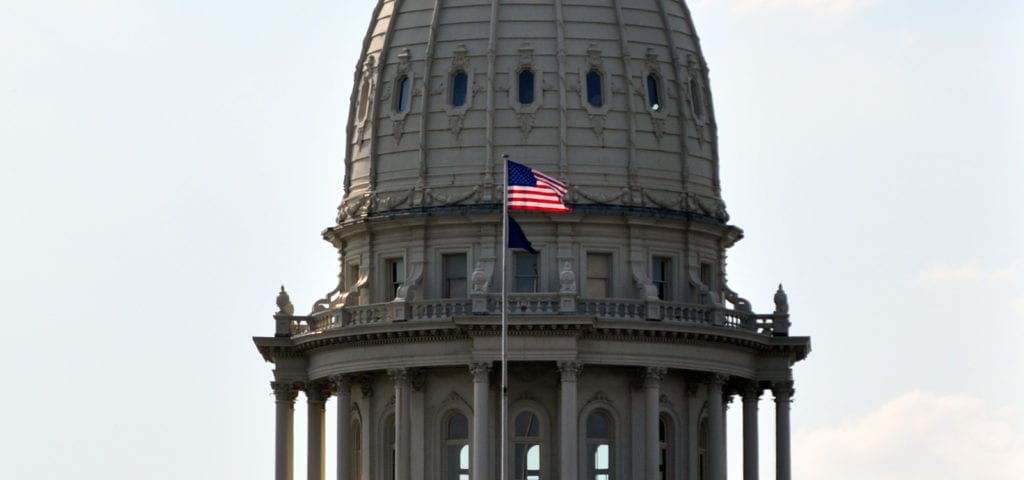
x: 516, y: 237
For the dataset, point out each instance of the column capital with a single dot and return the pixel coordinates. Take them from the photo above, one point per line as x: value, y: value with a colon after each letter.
x: 317, y: 392
x: 653, y: 376
x: 783, y: 391
x: 570, y: 370
x: 284, y: 392
x: 481, y: 371
x: 366, y: 385
x: 418, y: 379
x: 399, y: 375
x: 751, y: 392
x: 716, y: 380
x: 341, y: 382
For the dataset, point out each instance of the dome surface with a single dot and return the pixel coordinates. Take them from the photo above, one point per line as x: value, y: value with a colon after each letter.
x: 609, y: 96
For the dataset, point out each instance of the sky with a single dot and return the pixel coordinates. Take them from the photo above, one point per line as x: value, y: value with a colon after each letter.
x: 167, y: 166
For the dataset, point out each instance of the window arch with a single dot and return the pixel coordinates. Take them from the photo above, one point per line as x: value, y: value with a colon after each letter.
x: 653, y: 92
x: 527, y: 445
x: 525, y: 86
x: 599, y: 446
x: 460, y: 85
x: 456, y: 440
x: 403, y: 92
x: 595, y: 95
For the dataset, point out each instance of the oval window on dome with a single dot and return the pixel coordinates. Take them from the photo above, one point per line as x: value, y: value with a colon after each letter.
x: 653, y: 96
x: 403, y: 91
x: 460, y: 83
x: 526, y: 87
x: 594, y: 95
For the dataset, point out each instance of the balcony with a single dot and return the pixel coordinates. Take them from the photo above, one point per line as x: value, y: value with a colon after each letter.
x: 536, y: 304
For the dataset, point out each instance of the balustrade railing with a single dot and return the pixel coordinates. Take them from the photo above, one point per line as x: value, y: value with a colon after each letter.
x: 519, y: 304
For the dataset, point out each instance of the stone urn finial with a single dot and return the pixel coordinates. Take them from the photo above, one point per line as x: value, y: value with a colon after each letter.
x: 781, y: 301
x: 284, y: 303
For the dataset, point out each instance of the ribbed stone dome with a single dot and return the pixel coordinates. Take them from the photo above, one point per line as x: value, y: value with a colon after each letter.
x: 612, y: 97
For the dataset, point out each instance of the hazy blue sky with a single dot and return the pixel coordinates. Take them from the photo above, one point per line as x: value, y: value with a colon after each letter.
x: 167, y: 165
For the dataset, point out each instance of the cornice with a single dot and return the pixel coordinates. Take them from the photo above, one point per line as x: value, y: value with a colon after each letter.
x: 581, y: 327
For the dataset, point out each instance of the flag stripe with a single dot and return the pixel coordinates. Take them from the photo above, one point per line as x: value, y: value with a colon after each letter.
x: 529, y: 189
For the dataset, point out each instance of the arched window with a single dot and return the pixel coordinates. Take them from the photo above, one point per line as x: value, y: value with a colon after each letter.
x: 525, y: 87
x: 526, y: 446
x: 364, y: 99
x: 599, y: 446
x: 457, y: 448
x: 460, y: 82
x: 665, y: 446
x: 702, y: 450
x: 653, y: 96
x: 402, y: 92
x: 594, y: 95
x: 696, y: 99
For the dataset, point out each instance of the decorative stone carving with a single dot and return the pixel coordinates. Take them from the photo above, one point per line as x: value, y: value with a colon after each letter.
x: 783, y: 391
x: 781, y: 301
x: 317, y: 392
x: 284, y: 304
x: 366, y: 386
x: 653, y: 376
x: 567, y: 278
x: 643, y: 281
x: 570, y: 370
x: 341, y: 382
x: 284, y: 392
x: 418, y: 379
x: 481, y: 371
x: 525, y: 120
x: 481, y: 277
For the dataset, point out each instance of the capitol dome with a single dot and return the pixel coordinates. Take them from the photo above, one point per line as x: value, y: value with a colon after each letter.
x: 625, y: 341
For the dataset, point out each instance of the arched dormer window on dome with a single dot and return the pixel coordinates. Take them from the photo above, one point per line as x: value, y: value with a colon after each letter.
x: 403, y: 92
x: 525, y: 86
x: 460, y: 85
x: 653, y: 92
x: 595, y: 94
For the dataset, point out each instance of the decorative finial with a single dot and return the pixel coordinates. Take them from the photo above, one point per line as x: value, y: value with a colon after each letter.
x: 284, y: 303
x: 781, y: 301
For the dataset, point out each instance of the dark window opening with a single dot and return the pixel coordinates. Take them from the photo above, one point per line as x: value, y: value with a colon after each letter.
x: 460, y: 83
x: 526, y: 87
x: 594, y: 95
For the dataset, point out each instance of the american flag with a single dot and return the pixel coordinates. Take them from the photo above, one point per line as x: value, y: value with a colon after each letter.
x: 529, y: 189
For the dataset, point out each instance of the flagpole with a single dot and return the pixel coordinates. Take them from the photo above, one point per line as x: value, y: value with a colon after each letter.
x: 504, y: 322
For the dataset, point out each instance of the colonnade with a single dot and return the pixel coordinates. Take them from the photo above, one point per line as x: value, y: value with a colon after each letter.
x: 317, y: 394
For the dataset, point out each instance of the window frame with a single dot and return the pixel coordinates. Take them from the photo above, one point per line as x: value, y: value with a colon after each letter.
x: 453, y: 91
x: 540, y: 441
x: 402, y: 96
x: 592, y: 444
x: 654, y: 88
x: 664, y: 285
x: 516, y: 272
x: 393, y: 279
x: 447, y: 441
x: 446, y: 278
x: 609, y: 288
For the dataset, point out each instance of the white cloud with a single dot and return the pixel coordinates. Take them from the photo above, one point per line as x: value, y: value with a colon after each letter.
x: 917, y: 435
x: 824, y: 8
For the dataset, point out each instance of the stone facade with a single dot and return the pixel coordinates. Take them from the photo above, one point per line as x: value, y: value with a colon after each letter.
x: 625, y: 341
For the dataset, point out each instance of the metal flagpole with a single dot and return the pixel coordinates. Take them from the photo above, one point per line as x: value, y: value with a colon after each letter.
x: 504, y: 323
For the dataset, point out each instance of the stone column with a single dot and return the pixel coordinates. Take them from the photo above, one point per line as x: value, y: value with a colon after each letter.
x: 284, y: 394
x: 652, y: 410
x: 401, y: 378
x: 316, y: 396
x: 568, y: 421
x: 343, y: 389
x: 481, y: 413
x: 751, y: 395
x: 716, y: 427
x: 783, y: 392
